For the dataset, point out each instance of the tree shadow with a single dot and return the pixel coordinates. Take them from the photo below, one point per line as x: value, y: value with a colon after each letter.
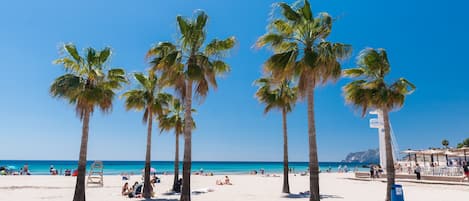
x: 303, y: 195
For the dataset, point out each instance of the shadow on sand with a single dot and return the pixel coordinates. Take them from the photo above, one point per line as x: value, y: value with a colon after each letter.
x: 302, y: 195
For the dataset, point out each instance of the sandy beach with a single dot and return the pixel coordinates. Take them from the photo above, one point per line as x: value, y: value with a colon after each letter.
x: 334, y: 187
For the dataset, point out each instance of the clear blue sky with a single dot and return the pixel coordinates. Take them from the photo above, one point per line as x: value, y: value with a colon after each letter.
x: 426, y: 43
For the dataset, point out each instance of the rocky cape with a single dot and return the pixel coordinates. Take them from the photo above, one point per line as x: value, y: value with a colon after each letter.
x: 369, y: 156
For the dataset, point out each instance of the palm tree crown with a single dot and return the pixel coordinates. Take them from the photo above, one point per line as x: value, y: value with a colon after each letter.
x: 87, y: 84
x: 300, y: 48
x: 371, y: 91
x: 202, y: 63
x: 276, y: 95
x: 173, y: 117
x: 147, y: 95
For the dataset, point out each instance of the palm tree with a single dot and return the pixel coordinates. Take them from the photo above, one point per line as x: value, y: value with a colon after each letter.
x: 371, y: 91
x: 279, y: 96
x: 301, y: 51
x: 463, y: 143
x: 173, y: 119
x: 147, y: 97
x: 445, y: 143
x: 191, y: 66
x: 88, y: 83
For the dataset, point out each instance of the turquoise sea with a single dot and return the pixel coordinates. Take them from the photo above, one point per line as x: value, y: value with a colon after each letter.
x: 41, y: 167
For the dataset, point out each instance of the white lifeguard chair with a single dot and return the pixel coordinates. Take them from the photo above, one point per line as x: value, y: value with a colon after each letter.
x: 95, y: 176
x: 379, y: 124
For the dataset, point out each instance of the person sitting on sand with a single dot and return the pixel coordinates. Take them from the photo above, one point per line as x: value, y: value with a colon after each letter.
x: 227, y: 181
x: 125, y: 189
x: 155, y: 179
x: 219, y: 182
x: 53, y: 171
x: 137, y: 191
x: 26, y: 169
x: 133, y: 186
x: 177, y: 187
x: 68, y: 172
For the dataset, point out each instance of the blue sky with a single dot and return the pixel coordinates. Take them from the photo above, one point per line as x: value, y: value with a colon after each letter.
x: 426, y: 43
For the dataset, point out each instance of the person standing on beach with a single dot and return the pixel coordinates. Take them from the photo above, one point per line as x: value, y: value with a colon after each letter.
x: 466, y: 172
x: 26, y: 169
x: 417, y: 171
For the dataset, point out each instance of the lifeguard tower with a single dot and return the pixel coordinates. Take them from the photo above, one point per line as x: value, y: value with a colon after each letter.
x: 378, y: 123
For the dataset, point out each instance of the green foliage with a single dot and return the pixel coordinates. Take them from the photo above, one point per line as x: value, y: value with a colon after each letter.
x: 173, y: 117
x: 445, y: 143
x: 281, y: 96
x: 188, y: 60
x: 147, y: 95
x: 300, y: 48
x: 464, y: 143
x: 371, y: 91
x: 89, y: 82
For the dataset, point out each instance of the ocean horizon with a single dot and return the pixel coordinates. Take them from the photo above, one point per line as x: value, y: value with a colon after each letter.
x: 116, y: 167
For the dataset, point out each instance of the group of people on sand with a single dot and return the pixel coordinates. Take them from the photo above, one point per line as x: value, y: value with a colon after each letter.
x: 343, y: 169
x: 255, y: 172
x: 132, y: 192
x: 12, y: 171
x: 375, y: 171
x: 136, y: 190
x: 225, y: 181
x: 201, y: 172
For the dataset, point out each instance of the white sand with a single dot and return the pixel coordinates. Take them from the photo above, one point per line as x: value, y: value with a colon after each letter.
x: 334, y: 187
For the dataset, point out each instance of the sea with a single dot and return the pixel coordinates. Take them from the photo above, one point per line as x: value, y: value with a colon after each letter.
x: 42, y: 167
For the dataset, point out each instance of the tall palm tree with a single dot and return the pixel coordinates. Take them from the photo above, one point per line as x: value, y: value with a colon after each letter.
x: 283, y: 97
x: 445, y: 143
x: 147, y: 97
x: 189, y: 66
x: 173, y: 119
x: 298, y: 41
x: 88, y: 83
x: 371, y: 91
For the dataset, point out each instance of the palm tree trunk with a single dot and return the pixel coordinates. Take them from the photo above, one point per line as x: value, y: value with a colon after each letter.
x: 186, y: 168
x: 286, y: 185
x: 176, y: 162
x: 389, y: 159
x: 80, y: 184
x: 147, y: 189
x: 313, y: 152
